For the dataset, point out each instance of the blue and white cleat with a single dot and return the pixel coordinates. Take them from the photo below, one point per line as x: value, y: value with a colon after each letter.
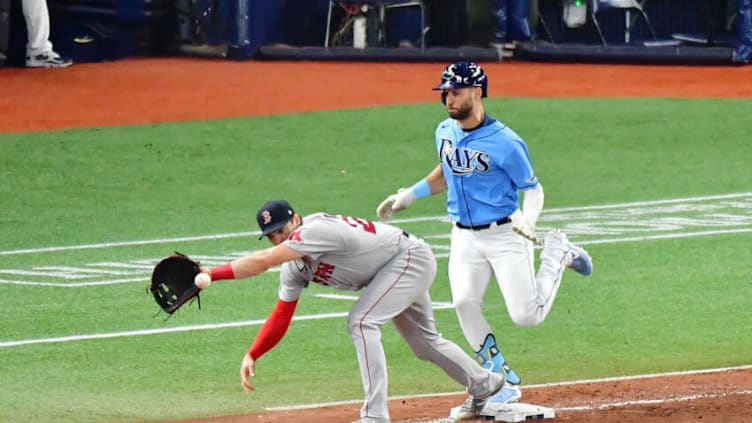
x: 581, y: 261
x: 508, y: 394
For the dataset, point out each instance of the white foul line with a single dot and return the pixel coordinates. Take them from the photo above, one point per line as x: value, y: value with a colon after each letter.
x: 143, y: 332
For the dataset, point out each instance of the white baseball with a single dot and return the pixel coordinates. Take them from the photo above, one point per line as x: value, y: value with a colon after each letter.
x: 202, y: 280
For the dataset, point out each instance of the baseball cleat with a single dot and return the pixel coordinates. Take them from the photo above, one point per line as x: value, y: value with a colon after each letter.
x: 472, y: 407
x: 581, y: 261
x: 509, y: 393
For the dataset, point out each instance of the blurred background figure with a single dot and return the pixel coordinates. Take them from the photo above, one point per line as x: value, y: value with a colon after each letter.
x: 39, y: 52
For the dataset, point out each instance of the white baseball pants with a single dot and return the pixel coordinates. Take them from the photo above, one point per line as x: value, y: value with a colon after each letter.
x: 475, y: 256
x: 37, y: 26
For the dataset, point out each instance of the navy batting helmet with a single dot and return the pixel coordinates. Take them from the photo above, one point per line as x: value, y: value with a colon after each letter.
x: 463, y: 75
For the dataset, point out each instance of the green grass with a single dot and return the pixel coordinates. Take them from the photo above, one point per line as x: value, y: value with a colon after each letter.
x: 650, y: 306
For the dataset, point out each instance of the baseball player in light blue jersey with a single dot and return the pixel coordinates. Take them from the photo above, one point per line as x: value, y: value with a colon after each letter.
x: 483, y: 166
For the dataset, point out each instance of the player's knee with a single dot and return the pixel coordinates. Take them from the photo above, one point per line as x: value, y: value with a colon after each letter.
x: 352, y: 324
x: 529, y: 320
x: 466, y: 305
x: 357, y: 325
x: 526, y: 315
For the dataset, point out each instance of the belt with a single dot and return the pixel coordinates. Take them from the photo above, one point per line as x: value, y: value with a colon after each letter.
x: 501, y: 221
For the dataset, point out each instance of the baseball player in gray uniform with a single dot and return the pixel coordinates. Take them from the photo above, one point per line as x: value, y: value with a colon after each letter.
x: 483, y: 165
x: 392, y: 269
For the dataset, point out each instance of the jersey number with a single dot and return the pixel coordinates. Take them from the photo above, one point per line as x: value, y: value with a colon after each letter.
x: 367, y: 225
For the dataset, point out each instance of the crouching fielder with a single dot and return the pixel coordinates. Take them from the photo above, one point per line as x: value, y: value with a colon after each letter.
x: 393, y: 271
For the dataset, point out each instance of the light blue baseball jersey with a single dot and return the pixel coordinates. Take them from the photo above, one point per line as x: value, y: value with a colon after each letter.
x: 484, y: 170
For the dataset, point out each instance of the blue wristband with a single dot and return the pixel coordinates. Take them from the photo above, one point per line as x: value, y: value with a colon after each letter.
x: 421, y: 188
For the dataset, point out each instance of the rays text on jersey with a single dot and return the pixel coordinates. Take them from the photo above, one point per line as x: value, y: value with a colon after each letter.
x: 463, y: 161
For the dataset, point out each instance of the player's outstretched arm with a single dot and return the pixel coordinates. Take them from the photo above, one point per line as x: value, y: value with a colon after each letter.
x: 431, y: 184
x: 255, y: 263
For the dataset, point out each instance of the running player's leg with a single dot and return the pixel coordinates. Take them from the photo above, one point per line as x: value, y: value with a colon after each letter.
x: 469, y: 276
x: 529, y: 296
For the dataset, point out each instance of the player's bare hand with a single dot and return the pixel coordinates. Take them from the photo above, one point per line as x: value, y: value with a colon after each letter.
x: 247, y: 370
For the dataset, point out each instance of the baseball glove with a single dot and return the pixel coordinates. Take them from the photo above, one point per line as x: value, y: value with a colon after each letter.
x: 172, y: 282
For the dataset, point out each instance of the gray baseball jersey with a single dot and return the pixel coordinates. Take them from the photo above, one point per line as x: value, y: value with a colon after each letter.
x: 394, y: 272
x: 340, y: 251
